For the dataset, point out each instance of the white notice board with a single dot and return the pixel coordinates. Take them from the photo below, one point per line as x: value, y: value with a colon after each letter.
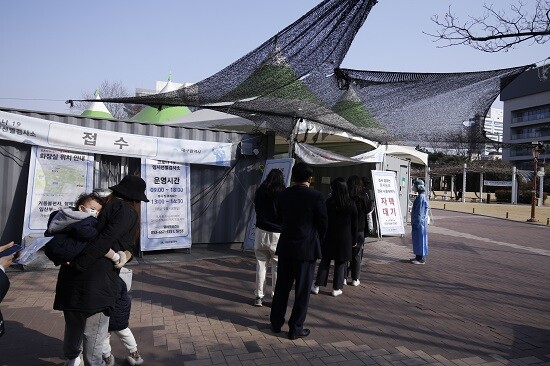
x: 388, y: 208
x: 166, y: 218
x: 56, y: 179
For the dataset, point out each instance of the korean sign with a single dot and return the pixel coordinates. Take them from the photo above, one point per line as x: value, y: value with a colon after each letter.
x: 166, y: 218
x: 56, y: 179
x: 388, y: 208
x: 50, y: 134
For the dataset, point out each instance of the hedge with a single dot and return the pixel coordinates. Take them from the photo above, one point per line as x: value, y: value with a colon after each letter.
x: 523, y: 196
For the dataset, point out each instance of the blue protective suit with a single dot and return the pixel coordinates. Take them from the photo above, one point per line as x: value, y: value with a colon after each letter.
x: 419, y: 223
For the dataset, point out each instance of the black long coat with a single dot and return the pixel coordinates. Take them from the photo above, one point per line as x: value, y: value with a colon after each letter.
x: 304, y: 223
x: 341, y: 233
x: 89, y: 283
x: 4, y: 287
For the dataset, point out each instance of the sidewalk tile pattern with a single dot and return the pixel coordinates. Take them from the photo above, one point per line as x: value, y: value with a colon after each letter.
x: 482, y: 299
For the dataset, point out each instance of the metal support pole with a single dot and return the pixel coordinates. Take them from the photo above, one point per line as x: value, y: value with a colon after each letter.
x: 514, y: 198
x: 534, y: 191
x: 452, y: 187
x: 464, y: 183
x: 541, y: 186
x: 481, y: 187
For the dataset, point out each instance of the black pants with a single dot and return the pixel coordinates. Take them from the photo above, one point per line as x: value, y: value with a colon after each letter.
x: 322, y: 273
x: 356, y: 258
x: 300, y: 274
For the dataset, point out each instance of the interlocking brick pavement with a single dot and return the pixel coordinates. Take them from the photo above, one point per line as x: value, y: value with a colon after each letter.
x: 482, y: 299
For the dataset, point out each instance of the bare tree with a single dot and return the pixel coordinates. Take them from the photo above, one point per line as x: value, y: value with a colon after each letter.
x: 437, y: 141
x: 109, y: 89
x: 496, y: 30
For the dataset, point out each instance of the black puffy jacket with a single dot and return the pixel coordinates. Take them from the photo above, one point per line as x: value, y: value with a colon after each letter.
x: 89, y: 284
x: 121, y: 315
x: 67, y: 243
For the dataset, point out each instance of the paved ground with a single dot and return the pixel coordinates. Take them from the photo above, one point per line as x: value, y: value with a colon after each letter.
x: 483, y: 298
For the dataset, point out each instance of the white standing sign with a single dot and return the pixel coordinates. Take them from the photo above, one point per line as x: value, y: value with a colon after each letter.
x: 56, y: 179
x: 388, y: 208
x: 166, y: 218
x: 285, y: 165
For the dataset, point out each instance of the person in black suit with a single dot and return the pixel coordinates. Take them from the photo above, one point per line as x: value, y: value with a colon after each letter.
x: 5, y: 262
x: 304, y: 224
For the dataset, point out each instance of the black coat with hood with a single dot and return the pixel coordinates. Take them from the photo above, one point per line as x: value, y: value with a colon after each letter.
x: 71, y: 230
x: 89, y: 284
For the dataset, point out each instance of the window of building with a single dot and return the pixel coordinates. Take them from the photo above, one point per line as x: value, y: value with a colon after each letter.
x: 531, y: 114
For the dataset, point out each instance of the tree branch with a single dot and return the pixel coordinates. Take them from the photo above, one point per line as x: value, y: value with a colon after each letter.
x: 496, y: 30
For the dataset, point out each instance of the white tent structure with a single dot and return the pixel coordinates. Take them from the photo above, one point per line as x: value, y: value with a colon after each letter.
x: 312, y: 140
x: 97, y: 109
x: 164, y: 114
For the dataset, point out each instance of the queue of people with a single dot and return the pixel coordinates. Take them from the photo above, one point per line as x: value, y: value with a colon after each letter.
x: 295, y: 227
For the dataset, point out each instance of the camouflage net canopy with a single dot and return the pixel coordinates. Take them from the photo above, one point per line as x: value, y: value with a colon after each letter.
x: 296, y: 75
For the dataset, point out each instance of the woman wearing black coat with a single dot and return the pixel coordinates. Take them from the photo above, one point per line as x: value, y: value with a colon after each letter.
x: 359, y: 198
x: 340, y: 238
x: 87, y: 288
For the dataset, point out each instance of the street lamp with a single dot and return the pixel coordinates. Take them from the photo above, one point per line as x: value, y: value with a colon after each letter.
x: 537, y: 148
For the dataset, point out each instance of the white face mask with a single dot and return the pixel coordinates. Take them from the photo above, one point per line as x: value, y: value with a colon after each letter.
x: 92, y: 212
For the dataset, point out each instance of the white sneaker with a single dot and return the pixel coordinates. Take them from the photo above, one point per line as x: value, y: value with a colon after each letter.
x: 355, y: 283
x: 314, y: 289
x: 345, y: 282
x: 337, y: 292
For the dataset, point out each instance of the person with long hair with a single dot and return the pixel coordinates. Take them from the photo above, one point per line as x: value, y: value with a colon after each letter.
x: 419, y: 223
x: 86, y: 289
x: 340, y: 238
x: 359, y: 198
x: 268, y: 230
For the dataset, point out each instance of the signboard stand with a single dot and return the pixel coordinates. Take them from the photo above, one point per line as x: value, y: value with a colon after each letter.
x: 388, y: 207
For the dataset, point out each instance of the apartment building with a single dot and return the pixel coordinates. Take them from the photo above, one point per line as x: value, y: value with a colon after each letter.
x: 526, y: 117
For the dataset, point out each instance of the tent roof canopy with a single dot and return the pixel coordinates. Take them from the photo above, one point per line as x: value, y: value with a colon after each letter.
x: 296, y: 74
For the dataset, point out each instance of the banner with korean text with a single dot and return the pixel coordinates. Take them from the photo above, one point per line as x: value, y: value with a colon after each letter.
x: 56, y: 179
x: 388, y: 209
x: 45, y: 133
x: 285, y: 165
x: 166, y: 218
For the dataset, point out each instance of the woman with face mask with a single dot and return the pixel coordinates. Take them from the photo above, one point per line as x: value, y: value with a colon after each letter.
x: 87, y: 287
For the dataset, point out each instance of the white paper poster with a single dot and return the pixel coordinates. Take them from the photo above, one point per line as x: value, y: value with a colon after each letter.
x: 56, y: 179
x: 166, y: 218
x: 285, y: 165
x: 388, y: 208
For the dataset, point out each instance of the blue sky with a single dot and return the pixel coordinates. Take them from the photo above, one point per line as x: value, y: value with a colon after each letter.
x: 58, y: 50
